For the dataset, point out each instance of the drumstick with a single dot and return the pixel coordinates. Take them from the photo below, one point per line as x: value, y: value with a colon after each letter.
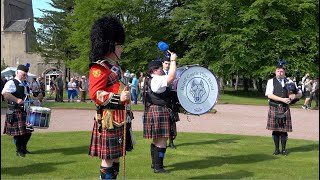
x: 164, y: 47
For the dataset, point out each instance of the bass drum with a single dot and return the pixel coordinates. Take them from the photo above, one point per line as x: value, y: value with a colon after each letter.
x: 197, y: 89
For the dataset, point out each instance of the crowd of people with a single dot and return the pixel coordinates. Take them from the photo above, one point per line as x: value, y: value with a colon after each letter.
x: 77, y: 88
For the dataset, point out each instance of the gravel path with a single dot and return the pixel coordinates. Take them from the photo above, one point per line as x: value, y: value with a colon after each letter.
x: 229, y: 119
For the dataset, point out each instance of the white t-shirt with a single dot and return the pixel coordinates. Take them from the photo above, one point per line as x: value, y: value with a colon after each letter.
x: 35, y: 86
x: 10, y: 87
x: 269, y: 88
x: 72, y: 85
x: 158, y: 83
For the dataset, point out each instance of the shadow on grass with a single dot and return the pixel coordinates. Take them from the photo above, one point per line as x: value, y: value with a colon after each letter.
x: 64, y: 151
x: 228, y: 175
x: 215, y: 161
x: 306, y: 148
x: 216, y: 141
x: 33, y: 168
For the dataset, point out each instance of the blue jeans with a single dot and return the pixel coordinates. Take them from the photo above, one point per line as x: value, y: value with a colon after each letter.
x: 71, y: 94
x: 134, y: 95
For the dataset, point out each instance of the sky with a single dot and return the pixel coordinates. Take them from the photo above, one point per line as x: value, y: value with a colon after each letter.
x: 39, y: 4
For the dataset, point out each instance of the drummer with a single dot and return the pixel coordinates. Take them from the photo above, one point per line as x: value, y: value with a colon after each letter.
x: 16, y: 92
x: 158, y: 118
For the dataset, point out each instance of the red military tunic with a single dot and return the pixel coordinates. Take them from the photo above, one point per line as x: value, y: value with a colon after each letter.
x: 105, y: 87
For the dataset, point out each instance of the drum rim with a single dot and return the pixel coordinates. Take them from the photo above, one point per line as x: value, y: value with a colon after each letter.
x: 39, y: 109
x: 218, y: 85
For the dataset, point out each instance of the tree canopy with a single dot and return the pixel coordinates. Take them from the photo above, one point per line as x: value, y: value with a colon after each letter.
x: 242, y: 37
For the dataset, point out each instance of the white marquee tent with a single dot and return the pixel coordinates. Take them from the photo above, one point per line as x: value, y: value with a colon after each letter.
x: 10, y: 72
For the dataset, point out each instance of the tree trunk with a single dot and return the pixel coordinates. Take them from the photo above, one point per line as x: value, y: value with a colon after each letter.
x: 221, y: 84
x: 236, y: 83
x: 254, y: 83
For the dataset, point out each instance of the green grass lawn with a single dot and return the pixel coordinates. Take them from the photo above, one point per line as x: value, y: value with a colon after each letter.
x: 198, y: 156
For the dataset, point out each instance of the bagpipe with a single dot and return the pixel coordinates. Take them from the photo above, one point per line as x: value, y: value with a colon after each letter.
x: 290, y: 85
x: 195, y: 89
x: 292, y: 89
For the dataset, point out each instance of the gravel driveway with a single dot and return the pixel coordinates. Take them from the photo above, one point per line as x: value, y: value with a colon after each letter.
x: 229, y: 119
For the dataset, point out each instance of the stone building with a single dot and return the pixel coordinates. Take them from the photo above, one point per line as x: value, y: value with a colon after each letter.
x: 18, y: 40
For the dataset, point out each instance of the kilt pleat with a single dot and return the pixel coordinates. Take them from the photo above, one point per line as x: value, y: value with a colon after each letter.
x: 157, y: 123
x: 18, y: 127
x: 108, y: 145
x: 272, y: 125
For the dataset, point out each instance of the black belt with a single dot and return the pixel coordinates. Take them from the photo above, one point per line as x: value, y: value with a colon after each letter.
x: 114, y: 106
x: 14, y: 107
x: 277, y: 104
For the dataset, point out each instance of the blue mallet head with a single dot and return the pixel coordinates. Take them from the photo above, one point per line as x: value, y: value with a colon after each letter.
x: 163, y: 46
x: 281, y: 62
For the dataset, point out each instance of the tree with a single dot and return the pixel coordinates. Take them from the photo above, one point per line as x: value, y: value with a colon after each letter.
x: 143, y: 23
x: 3, y: 65
x: 244, y: 37
x: 52, y: 33
x: 233, y: 37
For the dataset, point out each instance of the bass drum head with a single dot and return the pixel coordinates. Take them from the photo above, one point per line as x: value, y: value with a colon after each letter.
x: 197, y: 90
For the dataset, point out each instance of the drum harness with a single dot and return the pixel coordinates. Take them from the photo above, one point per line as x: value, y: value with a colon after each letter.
x: 13, y: 106
x: 170, y: 106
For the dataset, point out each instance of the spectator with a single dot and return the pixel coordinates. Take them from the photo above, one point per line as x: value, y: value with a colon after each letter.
x: 59, y: 88
x: 76, y: 93
x: 71, y: 89
x: 141, y: 85
x: 303, y: 81
x: 83, y: 88
x: 35, y: 88
x: 42, y: 89
x: 134, y: 88
x: 52, y: 86
x: 314, y: 95
x: 307, y: 91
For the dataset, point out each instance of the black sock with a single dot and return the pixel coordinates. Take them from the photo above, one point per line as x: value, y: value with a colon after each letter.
x: 106, y: 172
x: 276, y: 139
x: 284, y: 138
x: 116, y: 168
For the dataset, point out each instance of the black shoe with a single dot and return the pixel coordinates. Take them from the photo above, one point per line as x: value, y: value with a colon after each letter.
x: 19, y: 153
x: 284, y: 152
x: 171, y: 145
x: 27, y: 152
x: 152, y: 166
x: 162, y: 171
x: 276, y: 152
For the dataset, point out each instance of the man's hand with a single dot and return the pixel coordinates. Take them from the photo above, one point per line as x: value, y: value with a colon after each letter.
x: 286, y: 100
x: 19, y: 101
x: 124, y: 96
x: 292, y: 96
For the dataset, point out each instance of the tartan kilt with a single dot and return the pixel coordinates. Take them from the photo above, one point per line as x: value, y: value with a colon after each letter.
x: 109, y: 145
x: 272, y: 125
x: 157, y: 123
x: 18, y: 127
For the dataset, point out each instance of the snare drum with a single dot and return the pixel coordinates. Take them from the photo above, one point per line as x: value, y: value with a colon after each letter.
x: 197, y: 89
x: 38, y: 117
